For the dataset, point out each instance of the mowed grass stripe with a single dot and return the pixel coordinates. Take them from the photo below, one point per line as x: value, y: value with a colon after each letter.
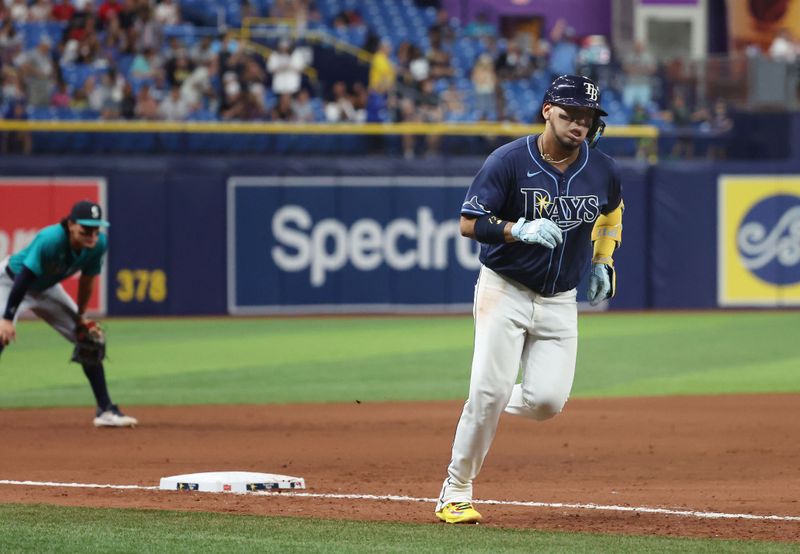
x: 373, y: 379
x: 241, y: 360
x: 32, y: 528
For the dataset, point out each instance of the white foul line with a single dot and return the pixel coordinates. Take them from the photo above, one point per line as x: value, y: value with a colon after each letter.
x: 396, y: 498
x: 74, y: 485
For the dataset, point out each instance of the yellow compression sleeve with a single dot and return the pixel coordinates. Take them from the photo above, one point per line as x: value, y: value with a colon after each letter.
x: 607, y: 235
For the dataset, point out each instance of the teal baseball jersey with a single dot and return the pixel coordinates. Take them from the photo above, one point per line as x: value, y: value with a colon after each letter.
x: 52, y: 260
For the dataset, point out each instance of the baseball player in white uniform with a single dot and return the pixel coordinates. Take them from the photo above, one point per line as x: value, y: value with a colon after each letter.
x: 546, y: 209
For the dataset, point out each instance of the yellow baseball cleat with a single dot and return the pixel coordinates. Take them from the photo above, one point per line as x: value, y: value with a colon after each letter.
x: 459, y: 512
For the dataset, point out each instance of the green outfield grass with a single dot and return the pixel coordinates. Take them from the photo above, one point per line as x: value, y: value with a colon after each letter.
x: 201, y: 361
x: 232, y: 361
x: 52, y: 529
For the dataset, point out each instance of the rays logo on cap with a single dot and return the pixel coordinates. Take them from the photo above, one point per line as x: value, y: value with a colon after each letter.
x: 592, y: 92
x: 759, y: 241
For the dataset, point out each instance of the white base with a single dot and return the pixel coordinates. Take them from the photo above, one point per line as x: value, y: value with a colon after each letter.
x: 231, y: 481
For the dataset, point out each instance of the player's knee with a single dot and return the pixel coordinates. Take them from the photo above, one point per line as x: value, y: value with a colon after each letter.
x: 544, y: 406
x: 542, y: 412
x: 490, y: 403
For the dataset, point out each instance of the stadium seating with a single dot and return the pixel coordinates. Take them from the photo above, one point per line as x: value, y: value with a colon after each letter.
x: 394, y: 20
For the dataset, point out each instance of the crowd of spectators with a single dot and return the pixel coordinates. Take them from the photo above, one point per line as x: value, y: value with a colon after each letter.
x: 639, y: 89
x: 119, y: 59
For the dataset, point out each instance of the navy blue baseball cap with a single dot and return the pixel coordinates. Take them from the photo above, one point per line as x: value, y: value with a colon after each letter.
x: 574, y: 90
x: 88, y: 214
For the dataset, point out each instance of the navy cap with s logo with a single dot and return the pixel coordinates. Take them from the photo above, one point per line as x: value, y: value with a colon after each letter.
x: 88, y: 214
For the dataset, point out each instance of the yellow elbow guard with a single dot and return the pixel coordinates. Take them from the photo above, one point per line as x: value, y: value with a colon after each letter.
x: 607, y: 235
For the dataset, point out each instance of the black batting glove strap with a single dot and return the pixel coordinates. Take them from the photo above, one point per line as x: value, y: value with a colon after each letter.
x: 22, y: 282
x: 490, y: 229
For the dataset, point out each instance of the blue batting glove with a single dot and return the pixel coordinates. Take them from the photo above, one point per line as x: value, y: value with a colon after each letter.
x: 599, y: 284
x: 539, y: 231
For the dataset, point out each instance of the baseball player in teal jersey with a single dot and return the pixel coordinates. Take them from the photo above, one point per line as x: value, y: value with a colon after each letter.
x: 31, y: 279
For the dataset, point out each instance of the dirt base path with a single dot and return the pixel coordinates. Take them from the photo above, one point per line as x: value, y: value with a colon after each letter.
x: 728, y: 454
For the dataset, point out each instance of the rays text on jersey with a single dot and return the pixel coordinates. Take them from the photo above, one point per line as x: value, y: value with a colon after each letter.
x: 566, y: 211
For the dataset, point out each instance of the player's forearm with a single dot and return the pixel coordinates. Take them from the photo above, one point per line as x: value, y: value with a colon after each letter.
x: 607, y: 235
x: 467, y: 228
x: 22, y: 282
x: 85, y: 289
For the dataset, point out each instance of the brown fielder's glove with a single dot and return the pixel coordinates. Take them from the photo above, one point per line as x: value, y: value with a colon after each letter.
x: 90, y: 343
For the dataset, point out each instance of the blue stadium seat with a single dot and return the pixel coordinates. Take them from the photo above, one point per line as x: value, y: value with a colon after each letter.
x: 610, y: 95
x: 540, y: 81
x: 137, y: 82
x: 318, y: 108
x: 262, y: 7
x: 41, y: 112
x: 185, y: 32
x: 70, y: 75
x: 124, y: 63
x: 430, y: 15
x: 463, y: 83
x: 83, y: 72
x: 202, y: 115
x: 66, y: 114
x: 32, y: 33
x: 326, y: 10
x: 233, y: 15
x: 88, y: 114
x: 358, y: 35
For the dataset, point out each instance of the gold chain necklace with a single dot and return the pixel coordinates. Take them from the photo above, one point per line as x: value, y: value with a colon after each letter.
x: 547, y: 157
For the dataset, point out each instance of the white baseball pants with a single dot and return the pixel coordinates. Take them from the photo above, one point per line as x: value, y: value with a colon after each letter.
x: 53, y: 305
x: 514, y: 328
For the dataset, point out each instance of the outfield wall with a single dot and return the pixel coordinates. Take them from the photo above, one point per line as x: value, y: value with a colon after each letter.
x: 249, y: 235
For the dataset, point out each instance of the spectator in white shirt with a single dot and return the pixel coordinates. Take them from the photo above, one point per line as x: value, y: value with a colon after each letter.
x: 286, y: 66
x: 166, y: 13
x: 174, y: 107
x: 340, y: 108
x: 38, y: 72
x: 303, y: 110
x: 783, y: 48
x: 40, y: 10
x: 19, y: 11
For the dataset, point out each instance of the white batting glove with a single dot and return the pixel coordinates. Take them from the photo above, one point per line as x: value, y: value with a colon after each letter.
x: 539, y: 231
x: 599, y: 284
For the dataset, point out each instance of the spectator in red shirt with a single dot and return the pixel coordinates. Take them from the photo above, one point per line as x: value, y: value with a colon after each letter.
x: 63, y: 11
x: 108, y: 9
x: 81, y: 24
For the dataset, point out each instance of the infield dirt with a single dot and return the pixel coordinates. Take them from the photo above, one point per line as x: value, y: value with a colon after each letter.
x: 731, y: 454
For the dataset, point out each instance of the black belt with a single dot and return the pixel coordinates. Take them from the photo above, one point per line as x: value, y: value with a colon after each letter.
x: 10, y: 273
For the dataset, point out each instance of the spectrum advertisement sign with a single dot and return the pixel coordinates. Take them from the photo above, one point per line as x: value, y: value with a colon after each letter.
x: 759, y: 240
x: 27, y: 204
x: 348, y: 244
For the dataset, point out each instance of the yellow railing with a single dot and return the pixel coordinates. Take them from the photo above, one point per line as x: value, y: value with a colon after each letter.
x: 245, y: 35
x: 222, y: 127
x: 309, y: 35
